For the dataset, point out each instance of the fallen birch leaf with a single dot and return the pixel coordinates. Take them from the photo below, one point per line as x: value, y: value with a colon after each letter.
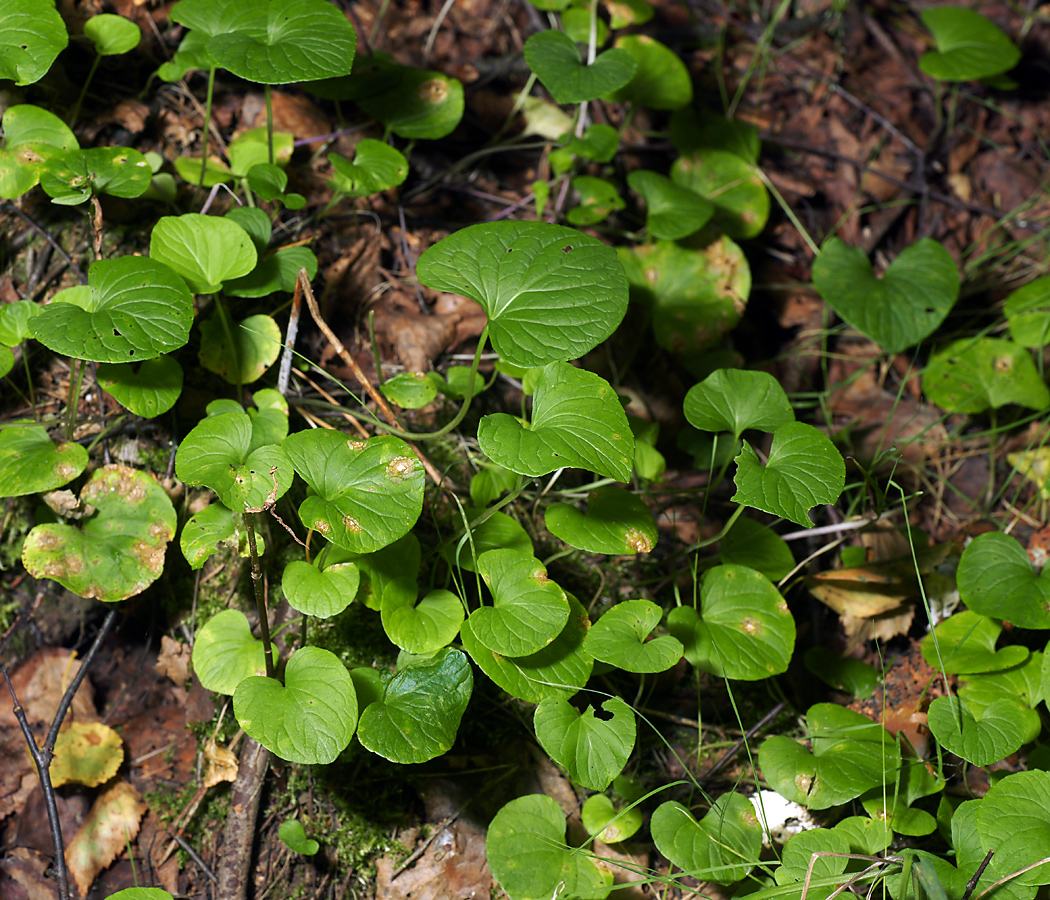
x: 87, y: 753
x: 110, y: 826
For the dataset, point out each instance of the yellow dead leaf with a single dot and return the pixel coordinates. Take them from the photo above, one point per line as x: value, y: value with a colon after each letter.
x: 86, y: 753
x: 108, y: 829
x: 1035, y: 466
x: 221, y: 764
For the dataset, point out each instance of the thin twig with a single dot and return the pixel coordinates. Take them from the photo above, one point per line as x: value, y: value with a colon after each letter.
x: 182, y: 842
x: 81, y: 277
x: 972, y: 883
x: 721, y: 762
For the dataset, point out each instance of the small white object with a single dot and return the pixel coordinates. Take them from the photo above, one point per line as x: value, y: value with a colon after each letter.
x: 781, y: 818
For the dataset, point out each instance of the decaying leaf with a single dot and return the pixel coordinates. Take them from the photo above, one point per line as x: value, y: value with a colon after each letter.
x: 40, y: 683
x: 174, y: 660
x: 87, y: 753
x: 220, y: 764
x: 108, y: 829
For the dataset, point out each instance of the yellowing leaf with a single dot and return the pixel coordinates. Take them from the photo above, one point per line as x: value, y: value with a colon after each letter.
x: 1035, y: 466
x: 86, y: 753
x: 112, y: 823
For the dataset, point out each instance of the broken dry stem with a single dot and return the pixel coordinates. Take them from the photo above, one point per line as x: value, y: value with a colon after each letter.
x: 260, y: 597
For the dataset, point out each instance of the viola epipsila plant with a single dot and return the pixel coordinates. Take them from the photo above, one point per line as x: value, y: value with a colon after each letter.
x: 465, y: 579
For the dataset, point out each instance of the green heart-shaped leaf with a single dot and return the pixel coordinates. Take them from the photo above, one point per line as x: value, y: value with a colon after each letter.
x: 213, y: 527
x: 498, y: 532
x: 732, y: 184
x: 15, y: 321
x: 71, y: 177
x: 746, y: 631
x: 273, y: 43
x: 1027, y: 311
x: 225, y: 652
x: 897, y: 311
x: 204, y: 250
x: 376, y: 167
x: 1022, y: 684
x: 112, y: 35
x: 136, y: 309
x: 803, y: 470
x: 598, y: 199
x: 275, y: 272
x: 410, y: 390
x: 425, y: 626
x: 619, y: 639
x: 577, y: 421
x: 419, y: 714
x: 969, y: 46
x: 32, y: 135
x: 550, y: 293
x: 1013, y: 821
x: 992, y: 737
x: 526, y: 849
x: 851, y: 754
x: 975, y: 374
x: 369, y: 493
x: 558, y: 670
x: 865, y: 835
x: 749, y: 543
x: 147, y: 390
x: 393, y: 567
x: 695, y: 296
x: 217, y: 453
x: 893, y: 804
x: 809, y: 855
x: 734, y: 400
x: 607, y: 823
x: 322, y: 593
x: 529, y: 611
x: 256, y: 346
x: 293, y: 836
x: 120, y: 550
x: 415, y: 104
x: 673, y: 212
x: 32, y: 34
x: 310, y: 718
x: 30, y: 463
x: 966, y: 642
x: 555, y: 59
x: 617, y: 522
x: 722, y: 847
x: 593, y: 751
x: 661, y: 80
x: 996, y: 578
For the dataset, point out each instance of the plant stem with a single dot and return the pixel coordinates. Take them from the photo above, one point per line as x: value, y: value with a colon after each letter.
x: 74, y: 394
x: 83, y: 92
x: 260, y: 597
x: 227, y: 328
x: 207, y: 125
x: 269, y: 121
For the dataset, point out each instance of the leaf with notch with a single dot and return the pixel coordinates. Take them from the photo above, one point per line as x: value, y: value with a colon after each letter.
x: 592, y: 750
x: 555, y: 59
x: 550, y: 293
x: 369, y: 493
x: 996, y: 578
x: 204, y: 250
x: 804, y: 470
x: 320, y: 592
x: 619, y: 639
x: 735, y: 400
x: 616, y: 522
x: 577, y: 420
x: 673, y: 212
x: 135, y: 309
x: 992, y: 737
x: 967, y: 644
x: 422, y: 627
x: 225, y: 652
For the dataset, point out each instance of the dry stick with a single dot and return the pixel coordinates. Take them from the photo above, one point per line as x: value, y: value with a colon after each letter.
x: 47, y: 237
x: 337, y: 345
x: 735, y: 749
x: 239, y: 834
x: 42, y: 755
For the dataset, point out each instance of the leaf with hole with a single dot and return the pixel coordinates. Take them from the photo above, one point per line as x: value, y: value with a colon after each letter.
x: 369, y: 493
x: 32, y: 34
x: 1027, y: 312
x: 376, y: 167
x: 555, y: 59
x: 969, y: 46
x: 255, y: 346
x: 592, y: 749
x: 31, y: 463
x: 996, y: 578
x: 418, y: 716
x: 31, y: 136
x: 71, y: 177
x: 577, y: 421
x: 966, y: 644
x: 851, y: 754
x: 743, y: 629
x: 722, y: 847
x: 310, y: 718
x: 214, y: 527
x: 320, y: 592
x: 695, y: 296
x: 804, y: 470
x: 974, y: 374
x: 558, y: 670
x: 902, y: 308
x: 526, y: 849
x: 619, y: 638
x: 421, y: 627
x: 119, y: 552
x: 551, y: 293
x: 661, y: 80
x: 225, y: 652
x: 732, y: 184
x: 218, y: 454
x: 204, y: 250
x: 748, y: 543
x: 735, y: 400
x: 980, y: 741
x: 616, y: 522
x: 607, y: 823
x: 598, y: 199
x: 672, y: 211
x: 112, y: 35
x: 293, y: 836
x: 528, y: 610
x: 148, y: 389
